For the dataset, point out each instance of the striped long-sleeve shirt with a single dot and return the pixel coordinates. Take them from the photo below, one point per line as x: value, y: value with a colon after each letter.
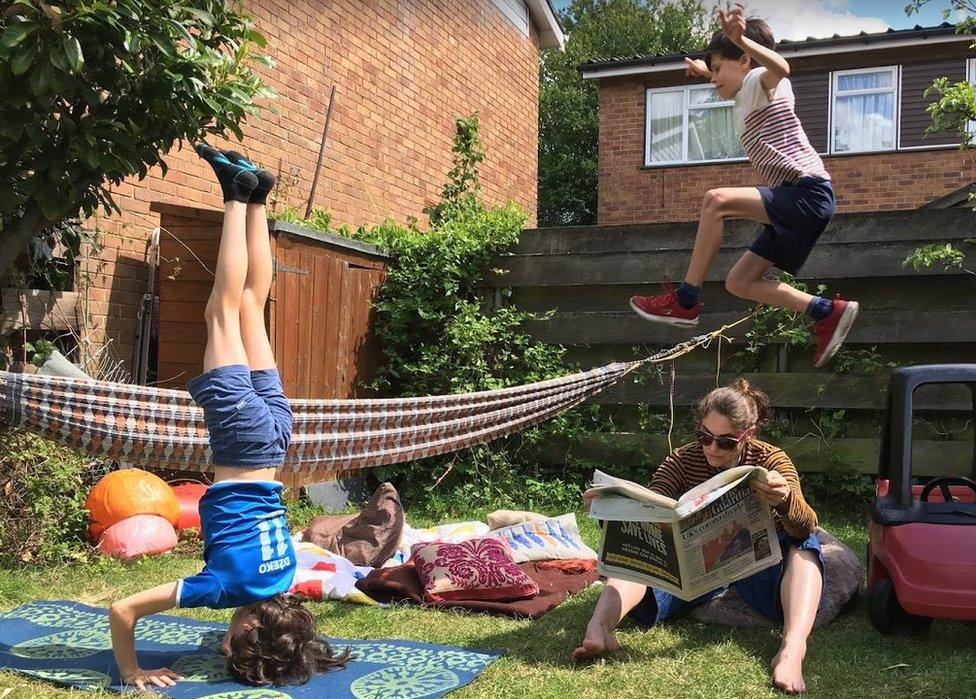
x: 771, y: 133
x: 687, y: 467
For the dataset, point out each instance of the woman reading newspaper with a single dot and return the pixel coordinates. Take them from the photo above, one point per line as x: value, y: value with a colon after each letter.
x: 789, y: 591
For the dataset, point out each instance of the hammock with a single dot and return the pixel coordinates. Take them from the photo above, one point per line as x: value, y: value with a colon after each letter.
x: 164, y: 429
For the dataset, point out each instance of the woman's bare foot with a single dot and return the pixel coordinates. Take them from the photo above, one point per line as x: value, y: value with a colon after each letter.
x: 787, y: 668
x: 598, y: 640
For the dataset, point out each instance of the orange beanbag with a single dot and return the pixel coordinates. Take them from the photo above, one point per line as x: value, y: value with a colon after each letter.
x: 188, y: 495
x: 129, y: 492
x: 139, y: 535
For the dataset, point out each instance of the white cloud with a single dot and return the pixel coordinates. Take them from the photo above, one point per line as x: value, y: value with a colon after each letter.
x: 799, y: 19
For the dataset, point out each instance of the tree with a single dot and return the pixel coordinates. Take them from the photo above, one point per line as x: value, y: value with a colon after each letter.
x: 953, y: 110
x: 568, y: 103
x: 93, y: 92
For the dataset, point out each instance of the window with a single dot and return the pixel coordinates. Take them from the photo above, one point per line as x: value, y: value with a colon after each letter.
x: 864, y: 110
x: 689, y: 125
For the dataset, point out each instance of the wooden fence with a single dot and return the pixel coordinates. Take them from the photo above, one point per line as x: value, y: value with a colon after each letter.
x: 585, y: 275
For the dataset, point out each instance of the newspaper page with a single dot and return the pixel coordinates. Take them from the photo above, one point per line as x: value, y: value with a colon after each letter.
x: 714, y: 534
x: 727, y: 539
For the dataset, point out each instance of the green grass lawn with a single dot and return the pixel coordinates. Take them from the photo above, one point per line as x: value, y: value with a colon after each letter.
x: 681, y: 659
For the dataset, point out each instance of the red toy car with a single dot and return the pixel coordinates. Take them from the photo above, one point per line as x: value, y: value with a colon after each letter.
x: 922, y: 553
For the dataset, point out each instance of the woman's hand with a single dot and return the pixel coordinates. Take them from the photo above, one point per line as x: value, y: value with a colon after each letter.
x: 733, y: 24
x: 588, y: 497
x: 696, y: 68
x: 774, y: 491
x: 163, y: 677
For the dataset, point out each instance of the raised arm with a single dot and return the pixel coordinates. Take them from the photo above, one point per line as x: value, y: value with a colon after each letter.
x: 734, y: 27
x: 696, y: 67
x: 123, y: 616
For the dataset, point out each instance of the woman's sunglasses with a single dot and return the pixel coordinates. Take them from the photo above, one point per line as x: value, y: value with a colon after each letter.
x: 724, y: 443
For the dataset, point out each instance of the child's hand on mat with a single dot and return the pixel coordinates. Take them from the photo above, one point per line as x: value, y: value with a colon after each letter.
x: 774, y: 491
x: 696, y: 68
x: 733, y: 23
x: 145, y: 679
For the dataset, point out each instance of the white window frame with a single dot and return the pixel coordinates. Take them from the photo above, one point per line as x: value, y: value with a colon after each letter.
x: 895, y: 89
x: 971, y: 79
x: 685, y: 91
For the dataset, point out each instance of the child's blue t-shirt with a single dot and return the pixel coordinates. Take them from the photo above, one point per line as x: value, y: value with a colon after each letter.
x: 248, y: 554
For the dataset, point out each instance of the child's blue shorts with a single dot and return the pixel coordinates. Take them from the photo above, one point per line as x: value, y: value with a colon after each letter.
x: 760, y: 590
x: 798, y: 214
x: 247, y: 415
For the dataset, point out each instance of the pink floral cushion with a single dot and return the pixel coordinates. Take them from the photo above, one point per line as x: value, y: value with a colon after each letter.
x: 478, y: 569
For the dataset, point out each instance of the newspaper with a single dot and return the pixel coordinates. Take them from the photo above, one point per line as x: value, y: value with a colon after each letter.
x: 716, y: 533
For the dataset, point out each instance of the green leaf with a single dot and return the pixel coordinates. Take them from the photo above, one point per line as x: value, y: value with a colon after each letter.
x: 256, y: 37
x: 39, y: 83
x: 185, y: 32
x: 205, y: 17
x: 17, y: 32
x: 72, y: 49
x: 22, y: 61
x: 59, y: 58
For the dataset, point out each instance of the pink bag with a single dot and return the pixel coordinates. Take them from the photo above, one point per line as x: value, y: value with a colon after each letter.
x: 139, y: 535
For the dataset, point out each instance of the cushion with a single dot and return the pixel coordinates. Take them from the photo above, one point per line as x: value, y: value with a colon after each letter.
x: 843, y: 572
x: 557, y: 580
x: 478, y: 569
x: 136, y: 536
x: 366, y: 539
x: 556, y: 538
x: 506, y: 518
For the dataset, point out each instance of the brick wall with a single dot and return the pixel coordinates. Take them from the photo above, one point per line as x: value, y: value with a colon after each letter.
x: 404, y: 71
x: 631, y: 193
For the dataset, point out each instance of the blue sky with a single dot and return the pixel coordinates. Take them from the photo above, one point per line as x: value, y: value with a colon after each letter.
x: 798, y: 19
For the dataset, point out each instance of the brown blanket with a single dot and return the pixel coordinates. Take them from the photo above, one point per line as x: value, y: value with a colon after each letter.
x: 557, y: 580
x: 366, y: 539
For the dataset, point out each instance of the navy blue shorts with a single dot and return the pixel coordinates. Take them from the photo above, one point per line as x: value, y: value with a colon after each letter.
x: 798, y: 214
x: 247, y: 415
x: 760, y: 590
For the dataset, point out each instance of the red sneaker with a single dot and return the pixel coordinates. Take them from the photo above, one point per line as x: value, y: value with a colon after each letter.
x: 832, y: 330
x: 664, y: 308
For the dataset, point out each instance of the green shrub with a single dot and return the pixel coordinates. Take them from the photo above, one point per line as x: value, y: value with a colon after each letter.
x: 42, y: 508
x: 439, y: 335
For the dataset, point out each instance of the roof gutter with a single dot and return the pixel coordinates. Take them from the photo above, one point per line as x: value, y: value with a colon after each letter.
x: 641, y: 66
x: 550, y: 33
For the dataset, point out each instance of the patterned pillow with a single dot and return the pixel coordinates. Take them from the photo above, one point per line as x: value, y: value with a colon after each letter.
x: 545, y: 540
x: 478, y: 569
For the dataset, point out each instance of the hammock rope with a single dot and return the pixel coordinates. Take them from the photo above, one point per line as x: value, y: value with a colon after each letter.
x: 163, y: 428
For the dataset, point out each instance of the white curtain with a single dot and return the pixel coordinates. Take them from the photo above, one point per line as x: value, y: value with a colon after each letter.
x: 864, y: 122
x: 664, y: 126
x: 711, y: 134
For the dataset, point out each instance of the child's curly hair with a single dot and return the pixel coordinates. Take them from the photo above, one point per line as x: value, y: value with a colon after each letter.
x: 279, y: 645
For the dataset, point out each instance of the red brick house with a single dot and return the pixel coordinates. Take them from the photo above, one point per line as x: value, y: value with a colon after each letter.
x: 665, y: 139
x: 403, y: 72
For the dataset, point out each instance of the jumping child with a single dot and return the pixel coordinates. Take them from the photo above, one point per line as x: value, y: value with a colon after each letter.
x: 795, y: 207
x: 249, y: 561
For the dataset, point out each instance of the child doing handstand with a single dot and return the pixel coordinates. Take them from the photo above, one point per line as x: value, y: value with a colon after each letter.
x: 249, y: 561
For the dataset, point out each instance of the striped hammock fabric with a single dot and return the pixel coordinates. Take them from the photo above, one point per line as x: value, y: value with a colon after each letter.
x: 163, y: 428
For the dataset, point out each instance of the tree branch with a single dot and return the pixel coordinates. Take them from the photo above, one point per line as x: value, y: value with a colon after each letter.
x: 15, y: 238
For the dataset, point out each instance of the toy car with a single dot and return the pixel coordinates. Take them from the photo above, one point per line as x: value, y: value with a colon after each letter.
x: 922, y: 551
